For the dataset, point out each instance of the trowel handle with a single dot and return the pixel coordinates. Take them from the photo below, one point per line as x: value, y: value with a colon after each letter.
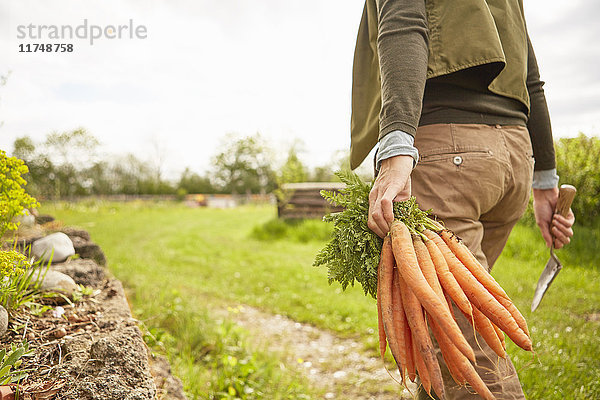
x: 566, y: 195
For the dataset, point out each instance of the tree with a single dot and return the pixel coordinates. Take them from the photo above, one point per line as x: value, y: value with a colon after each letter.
x: 69, y: 152
x: 130, y: 175
x: 41, y: 170
x: 340, y: 161
x: 292, y: 171
x: 24, y: 148
x: 191, y: 182
x: 244, y: 166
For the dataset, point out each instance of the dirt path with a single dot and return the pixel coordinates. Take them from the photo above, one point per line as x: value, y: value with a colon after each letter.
x: 342, y: 367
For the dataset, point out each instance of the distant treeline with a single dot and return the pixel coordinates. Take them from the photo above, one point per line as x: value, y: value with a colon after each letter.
x: 68, y: 164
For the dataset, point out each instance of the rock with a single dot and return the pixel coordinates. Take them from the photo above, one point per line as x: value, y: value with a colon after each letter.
x: 169, y: 385
x: 92, y: 251
x: 3, y: 321
x: 7, y: 393
x: 56, y: 246
x: 84, y: 272
x: 55, y: 281
x: 44, y: 219
x: 78, y: 241
x: 76, y: 232
x: 25, y: 219
x: 84, y: 246
x: 113, y: 366
x: 60, y: 332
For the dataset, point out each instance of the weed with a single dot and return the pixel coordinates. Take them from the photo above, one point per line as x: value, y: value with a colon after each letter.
x: 10, y: 361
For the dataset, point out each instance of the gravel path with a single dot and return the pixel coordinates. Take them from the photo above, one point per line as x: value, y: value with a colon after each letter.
x: 342, y: 367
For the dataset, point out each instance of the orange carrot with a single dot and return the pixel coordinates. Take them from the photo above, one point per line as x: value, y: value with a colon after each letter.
x: 455, y: 358
x: 463, y: 253
x: 449, y: 301
x: 408, y: 266
x: 485, y: 328
x: 447, y: 280
x: 512, y: 309
x: 386, y: 264
x: 399, y: 323
x: 411, y: 369
x: 454, y: 371
x: 500, y: 335
x: 427, y: 267
x: 381, y: 329
x: 482, y: 299
x: 423, y: 373
x: 420, y: 336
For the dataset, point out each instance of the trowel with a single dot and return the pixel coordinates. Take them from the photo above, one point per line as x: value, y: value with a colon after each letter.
x: 553, y: 266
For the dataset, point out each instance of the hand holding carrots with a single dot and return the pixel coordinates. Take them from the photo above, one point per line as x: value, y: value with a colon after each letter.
x: 431, y: 268
x: 392, y: 184
x: 416, y: 273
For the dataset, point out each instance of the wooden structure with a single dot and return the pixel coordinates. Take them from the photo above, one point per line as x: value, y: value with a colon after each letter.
x: 304, y: 200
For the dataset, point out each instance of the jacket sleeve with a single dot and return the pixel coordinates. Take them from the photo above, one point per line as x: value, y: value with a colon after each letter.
x: 402, y: 48
x: 538, y: 124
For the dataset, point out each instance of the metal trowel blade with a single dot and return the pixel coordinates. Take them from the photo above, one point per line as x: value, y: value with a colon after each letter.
x: 553, y: 267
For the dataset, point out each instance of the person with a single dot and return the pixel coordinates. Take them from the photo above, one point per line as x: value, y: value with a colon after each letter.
x: 451, y: 93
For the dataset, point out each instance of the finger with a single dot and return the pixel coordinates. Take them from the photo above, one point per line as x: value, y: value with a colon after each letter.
x: 387, y: 204
x: 379, y: 226
x: 564, y: 229
x: 546, y: 235
x: 568, y: 221
x: 559, y: 243
x: 373, y: 195
x: 374, y: 227
x: 560, y: 237
x: 383, y: 226
x: 388, y: 211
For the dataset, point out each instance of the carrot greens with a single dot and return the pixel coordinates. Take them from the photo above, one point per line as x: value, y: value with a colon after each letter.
x: 353, y: 251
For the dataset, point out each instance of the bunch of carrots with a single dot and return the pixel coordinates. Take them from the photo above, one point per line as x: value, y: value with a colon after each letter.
x: 419, y: 274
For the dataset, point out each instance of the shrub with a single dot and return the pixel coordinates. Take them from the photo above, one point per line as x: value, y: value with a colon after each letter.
x: 13, y: 198
x: 302, y: 231
x: 15, y: 268
x: 578, y: 164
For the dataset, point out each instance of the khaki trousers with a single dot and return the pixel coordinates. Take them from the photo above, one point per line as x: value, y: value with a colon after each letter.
x: 477, y: 179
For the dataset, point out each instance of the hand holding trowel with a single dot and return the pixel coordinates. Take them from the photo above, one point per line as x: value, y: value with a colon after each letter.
x: 553, y: 267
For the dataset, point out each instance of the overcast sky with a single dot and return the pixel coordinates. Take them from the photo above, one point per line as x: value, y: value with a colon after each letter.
x: 208, y: 68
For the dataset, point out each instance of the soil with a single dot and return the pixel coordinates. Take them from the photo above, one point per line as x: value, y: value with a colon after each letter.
x: 90, y: 349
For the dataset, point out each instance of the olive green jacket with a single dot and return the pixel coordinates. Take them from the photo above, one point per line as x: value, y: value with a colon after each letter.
x: 454, y: 35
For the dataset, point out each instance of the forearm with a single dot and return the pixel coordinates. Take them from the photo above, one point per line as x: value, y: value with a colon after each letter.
x: 538, y: 124
x: 403, y: 53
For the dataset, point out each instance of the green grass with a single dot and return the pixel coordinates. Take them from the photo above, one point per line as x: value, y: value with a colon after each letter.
x: 206, y: 256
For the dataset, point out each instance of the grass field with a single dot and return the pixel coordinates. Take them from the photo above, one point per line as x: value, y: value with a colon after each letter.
x: 180, y: 263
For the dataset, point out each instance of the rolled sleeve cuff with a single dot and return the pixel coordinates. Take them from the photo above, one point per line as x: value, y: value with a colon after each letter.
x: 545, y: 179
x: 396, y: 143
